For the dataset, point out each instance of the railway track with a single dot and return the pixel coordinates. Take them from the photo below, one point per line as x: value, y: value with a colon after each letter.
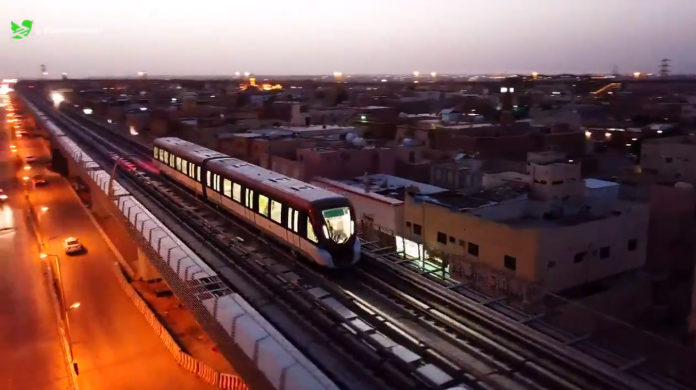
x: 442, y: 333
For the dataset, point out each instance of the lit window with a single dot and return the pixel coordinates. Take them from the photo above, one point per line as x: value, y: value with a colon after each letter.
x: 227, y: 188
x: 178, y: 163
x: 263, y: 205
x: 310, y: 231
x: 156, y: 151
x: 276, y: 211
x: 237, y: 192
x: 198, y: 174
x: 296, y: 221
x: 290, y: 218
x: 207, y: 179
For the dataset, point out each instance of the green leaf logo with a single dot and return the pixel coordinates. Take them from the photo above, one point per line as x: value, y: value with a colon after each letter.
x: 21, y: 31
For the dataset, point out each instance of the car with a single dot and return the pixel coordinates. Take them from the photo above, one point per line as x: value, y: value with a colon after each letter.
x: 72, y: 245
x: 38, y: 180
x: 3, y: 196
x: 30, y: 159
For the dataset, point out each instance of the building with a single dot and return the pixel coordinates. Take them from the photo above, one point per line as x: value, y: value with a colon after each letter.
x: 549, y: 229
x: 671, y: 158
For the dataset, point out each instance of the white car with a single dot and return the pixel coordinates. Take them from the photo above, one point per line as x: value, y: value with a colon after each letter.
x: 72, y: 245
x: 30, y: 159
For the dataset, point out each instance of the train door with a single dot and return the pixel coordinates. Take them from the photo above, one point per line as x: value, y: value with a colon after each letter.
x: 292, y: 224
x: 249, y: 203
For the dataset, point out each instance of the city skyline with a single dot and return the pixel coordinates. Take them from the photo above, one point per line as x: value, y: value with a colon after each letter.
x: 358, y: 37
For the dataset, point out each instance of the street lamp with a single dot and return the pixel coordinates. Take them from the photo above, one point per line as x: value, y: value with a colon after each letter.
x: 44, y: 209
x: 65, y: 307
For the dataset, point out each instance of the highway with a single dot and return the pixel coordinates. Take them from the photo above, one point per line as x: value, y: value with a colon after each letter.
x: 113, y: 344
x: 31, y: 356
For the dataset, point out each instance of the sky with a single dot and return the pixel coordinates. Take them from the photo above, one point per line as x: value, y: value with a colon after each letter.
x: 180, y: 37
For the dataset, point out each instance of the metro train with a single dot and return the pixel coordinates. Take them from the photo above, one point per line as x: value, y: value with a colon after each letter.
x: 313, y: 222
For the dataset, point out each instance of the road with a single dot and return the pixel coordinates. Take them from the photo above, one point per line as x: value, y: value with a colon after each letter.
x: 31, y: 356
x: 113, y: 344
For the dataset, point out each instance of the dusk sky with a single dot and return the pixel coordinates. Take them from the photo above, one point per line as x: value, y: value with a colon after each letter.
x: 120, y: 38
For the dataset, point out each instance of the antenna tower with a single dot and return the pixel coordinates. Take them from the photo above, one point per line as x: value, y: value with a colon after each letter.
x: 664, y: 67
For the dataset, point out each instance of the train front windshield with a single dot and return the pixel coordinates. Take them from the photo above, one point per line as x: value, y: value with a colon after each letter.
x: 338, y: 226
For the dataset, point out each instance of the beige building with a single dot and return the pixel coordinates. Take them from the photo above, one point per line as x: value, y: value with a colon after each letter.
x: 549, y: 228
x: 672, y: 158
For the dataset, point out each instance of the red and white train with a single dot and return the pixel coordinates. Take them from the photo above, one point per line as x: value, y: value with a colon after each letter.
x: 311, y: 221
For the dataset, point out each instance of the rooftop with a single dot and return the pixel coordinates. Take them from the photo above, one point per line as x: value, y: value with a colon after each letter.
x: 465, y: 202
x: 386, y: 188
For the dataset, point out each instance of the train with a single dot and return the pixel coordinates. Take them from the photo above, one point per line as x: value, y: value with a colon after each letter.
x: 312, y: 222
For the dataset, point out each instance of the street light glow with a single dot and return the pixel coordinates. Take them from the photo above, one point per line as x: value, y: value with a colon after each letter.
x: 27, y: 167
x: 44, y: 209
x: 43, y: 255
x: 75, y: 305
x: 57, y: 98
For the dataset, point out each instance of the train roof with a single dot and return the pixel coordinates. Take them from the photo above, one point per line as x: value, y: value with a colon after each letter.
x: 244, y: 172
x: 188, y: 150
x: 233, y: 168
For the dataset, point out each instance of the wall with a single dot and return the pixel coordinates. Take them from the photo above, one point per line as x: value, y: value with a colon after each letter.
x: 670, y: 159
x: 557, y: 263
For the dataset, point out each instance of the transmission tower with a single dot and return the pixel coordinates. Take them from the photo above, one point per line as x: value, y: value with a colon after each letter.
x: 664, y: 67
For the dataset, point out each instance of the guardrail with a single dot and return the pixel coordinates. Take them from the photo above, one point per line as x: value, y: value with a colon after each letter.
x: 202, y: 370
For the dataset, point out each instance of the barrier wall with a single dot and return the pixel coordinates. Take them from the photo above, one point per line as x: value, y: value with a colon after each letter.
x: 207, y: 374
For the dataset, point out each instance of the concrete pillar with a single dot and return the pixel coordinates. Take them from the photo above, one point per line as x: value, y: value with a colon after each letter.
x: 145, y: 270
x: 60, y: 164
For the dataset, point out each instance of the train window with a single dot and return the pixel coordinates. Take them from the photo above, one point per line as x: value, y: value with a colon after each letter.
x: 237, y: 192
x: 276, y: 211
x: 171, y: 161
x: 156, y: 151
x: 193, y: 171
x: 296, y: 221
x: 178, y: 163
x: 198, y: 174
x: 249, y: 198
x: 165, y: 156
x: 310, y: 231
x: 263, y: 205
x: 217, y: 183
x: 227, y: 188
x: 207, y: 179
x: 290, y: 218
